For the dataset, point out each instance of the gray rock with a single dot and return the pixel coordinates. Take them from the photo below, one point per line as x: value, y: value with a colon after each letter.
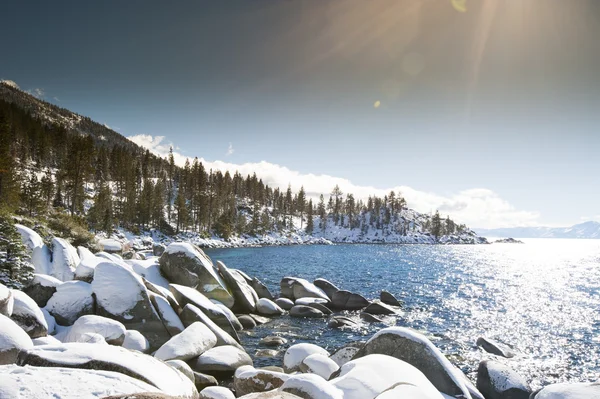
x: 276, y: 369
x: 204, y: 380
x: 28, y: 315
x: 569, y: 391
x: 71, y: 300
x: 187, y: 265
x: 222, y: 360
x: 379, y: 308
x: 247, y: 380
x: 237, y: 326
x: 389, y: 299
x: 305, y: 311
x: 284, y: 303
x: 274, y: 394
x: 158, y: 249
x: 12, y: 340
x: 496, y: 381
x: 328, y: 287
x: 6, y: 301
x: 247, y: 321
x: 287, y: 287
x: 196, y: 339
x: 191, y: 314
x: 305, y: 289
x: 268, y: 308
x: 167, y: 314
x: 321, y: 307
x: 344, y: 354
x: 346, y: 300
x: 41, y: 288
x: 273, y: 340
x: 261, y: 290
x: 494, y: 347
x: 259, y: 319
x: 369, y: 318
x: 183, y: 367
x: 266, y: 353
x: 341, y: 321
x: 244, y: 295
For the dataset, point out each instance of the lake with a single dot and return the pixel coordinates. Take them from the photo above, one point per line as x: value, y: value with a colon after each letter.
x: 541, y: 297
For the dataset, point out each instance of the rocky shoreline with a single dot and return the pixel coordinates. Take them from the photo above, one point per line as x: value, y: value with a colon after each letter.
x: 173, y: 325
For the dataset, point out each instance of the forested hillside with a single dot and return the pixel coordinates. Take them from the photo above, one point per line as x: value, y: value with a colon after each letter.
x: 53, y: 161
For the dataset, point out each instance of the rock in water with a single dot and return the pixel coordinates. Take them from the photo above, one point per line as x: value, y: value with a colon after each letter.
x: 415, y: 349
x: 122, y: 295
x: 222, y: 360
x: 192, y: 342
x: 287, y: 287
x: 28, y: 315
x: 185, y: 264
x: 268, y: 308
x: 247, y: 322
x: 497, y: 381
x: 247, y: 380
x: 66, y: 383
x: 494, y: 347
x: 12, y: 340
x: 569, y: 391
x: 389, y: 299
x: 40, y: 253
x: 111, y: 358
x: 328, y: 287
x: 369, y: 318
x: 341, y: 321
x: 284, y: 303
x: 261, y: 290
x: 379, y: 309
x: 6, y: 301
x: 112, y: 331
x: 295, y: 354
x: 273, y: 340
x: 41, y: 288
x: 305, y: 311
x: 237, y: 326
x: 346, y: 300
x: 244, y: 295
x: 64, y: 260
x: 71, y: 300
x: 305, y: 289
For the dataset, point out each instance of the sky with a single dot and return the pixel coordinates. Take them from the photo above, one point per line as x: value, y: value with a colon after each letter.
x: 486, y: 110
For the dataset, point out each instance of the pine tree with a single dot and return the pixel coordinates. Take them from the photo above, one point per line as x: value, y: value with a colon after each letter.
x: 321, y: 212
x: 31, y: 196
x: 9, y: 187
x: 436, y: 225
x: 301, y: 204
x: 309, y: 218
x: 15, y: 268
x: 47, y: 188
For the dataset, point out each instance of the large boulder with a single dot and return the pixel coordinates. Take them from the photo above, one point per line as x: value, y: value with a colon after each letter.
x: 372, y: 375
x: 342, y: 322
x: 569, y: 391
x: 40, y: 253
x: 497, y: 381
x: 345, y: 300
x: 247, y: 322
x: 216, y: 393
x: 28, y: 315
x: 244, y: 295
x: 111, y: 246
x: 415, y: 349
x: 7, y: 301
x: 494, y: 347
x: 122, y: 295
x: 222, y: 360
x: 192, y: 342
x: 88, y: 261
x: 186, y: 295
x: 185, y: 264
x: 237, y: 326
x: 247, y: 380
x: 274, y: 394
x: 41, y: 288
x: 311, y: 386
x: 305, y: 289
x: 319, y: 364
x: 150, y: 271
x: 191, y: 314
x: 286, y: 286
x: 64, y: 260
x: 268, y: 308
x: 295, y: 354
x: 167, y: 315
x: 389, y: 299
x: 12, y: 340
x: 111, y: 358
x: 345, y: 354
x: 284, y: 303
x: 67, y: 383
x: 134, y: 340
x: 305, y: 311
x: 379, y: 308
x: 71, y: 300
x: 261, y: 290
x: 112, y: 331
x: 328, y: 287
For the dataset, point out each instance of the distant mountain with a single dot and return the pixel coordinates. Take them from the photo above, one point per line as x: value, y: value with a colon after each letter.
x: 582, y: 230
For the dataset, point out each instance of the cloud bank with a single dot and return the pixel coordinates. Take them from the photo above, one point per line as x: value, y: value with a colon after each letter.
x: 477, y: 207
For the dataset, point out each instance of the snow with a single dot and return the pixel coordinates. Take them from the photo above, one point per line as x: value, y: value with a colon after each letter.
x: 45, y: 281
x: 110, y: 245
x: 226, y: 355
x: 12, y: 339
x: 344, y: 355
x: 50, y: 321
x: 134, y: 340
x: 312, y: 386
x: 110, y: 330
x: 159, y: 374
x: 503, y: 378
x: 166, y: 313
x: 295, y: 354
x: 320, y: 364
x: 65, y: 383
x: 368, y: 376
x: 117, y: 289
x: 309, y: 300
x: 216, y: 393
x: 570, y: 391
x: 198, y: 299
x: 6, y: 300
x: 191, y: 252
x: 250, y: 373
x: 150, y: 270
x: 87, y: 265
x: 24, y: 307
x: 183, y: 367
x: 196, y: 339
x: 40, y: 253
x: 70, y: 299
x: 409, y: 391
x: 64, y: 259
x: 47, y: 340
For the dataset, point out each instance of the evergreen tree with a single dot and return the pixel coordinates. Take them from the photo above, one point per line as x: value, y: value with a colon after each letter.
x: 436, y: 225
x: 301, y: 204
x: 31, y: 195
x: 9, y: 187
x: 15, y: 268
x: 309, y: 218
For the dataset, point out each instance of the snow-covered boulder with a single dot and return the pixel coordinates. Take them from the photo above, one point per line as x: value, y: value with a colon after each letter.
x: 112, y: 331
x: 66, y: 383
x: 186, y: 295
x: 494, y: 347
x: 169, y: 317
x: 222, y: 360
x: 64, y: 260
x: 191, y: 314
x: 237, y: 326
x: 268, y: 308
x: 319, y: 364
x: 28, y: 315
x: 182, y: 367
x: 344, y: 354
x: 47, y: 340
x: 311, y: 386
x: 274, y: 394
x: 497, y: 381
x: 305, y: 311
x: 112, y: 358
x: 286, y: 286
x: 158, y: 249
x: 295, y: 354
x: 261, y: 290
x: 6, y: 301
x: 40, y: 253
x: 184, y: 264
x: 134, y: 340
x: 192, y: 342
x: 90, y: 338
x: 122, y: 295
x: 50, y: 321
x: 342, y: 322
x: 569, y: 391
x: 150, y: 270
x: 369, y: 376
x: 305, y: 289
x: 71, y: 300
x: 310, y: 301
x: 284, y: 303
x: 345, y: 300
x: 245, y: 297
x: 41, y: 288
x: 111, y: 246
x: 216, y: 393
x: 326, y: 286
x: 247, y: 380
x: 12, y: 340
x: 415, y: 349
x: 85, y: 269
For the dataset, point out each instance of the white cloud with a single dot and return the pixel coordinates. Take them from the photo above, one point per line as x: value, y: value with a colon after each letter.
x: 11, y: 83
x: 37, y: 92
x: 477, y: 207
x: 230, y: 150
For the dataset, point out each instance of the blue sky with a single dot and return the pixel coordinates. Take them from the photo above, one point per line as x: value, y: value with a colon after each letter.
x: 490, y: 114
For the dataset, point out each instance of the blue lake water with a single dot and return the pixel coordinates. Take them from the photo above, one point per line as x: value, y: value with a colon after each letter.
x: 541, y: 297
